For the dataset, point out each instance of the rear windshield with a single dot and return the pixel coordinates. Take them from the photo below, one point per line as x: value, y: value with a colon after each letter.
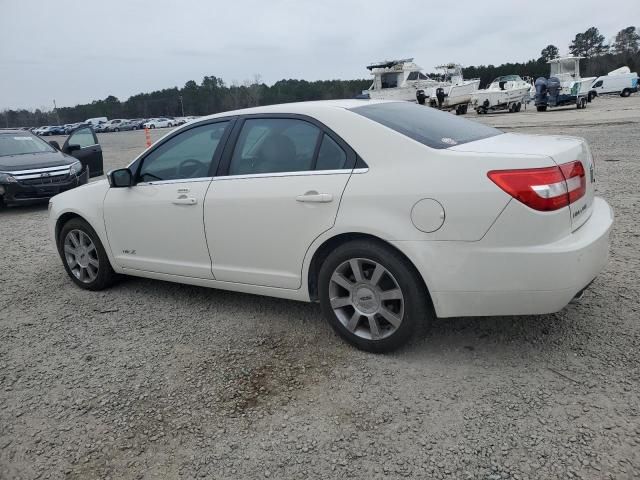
x: 426, y: 125
x: 21, y: 143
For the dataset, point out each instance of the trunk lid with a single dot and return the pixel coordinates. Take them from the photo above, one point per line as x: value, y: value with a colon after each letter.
x: 560, y: 149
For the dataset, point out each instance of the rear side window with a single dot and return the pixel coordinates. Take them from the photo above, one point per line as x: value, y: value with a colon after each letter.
x: 426, y: 125
x: 330, y: 155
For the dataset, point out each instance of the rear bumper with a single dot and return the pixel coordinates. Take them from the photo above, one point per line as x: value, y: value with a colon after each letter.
x: 20, y: 194
x: 473, y: 279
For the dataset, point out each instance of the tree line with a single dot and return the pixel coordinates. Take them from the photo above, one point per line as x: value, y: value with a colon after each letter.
x: 213, y: 95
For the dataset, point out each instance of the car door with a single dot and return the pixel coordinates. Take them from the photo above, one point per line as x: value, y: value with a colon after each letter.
x: 82, y: 143
x: 598, y: 86
x: 156, y: 225
x: 279, y: 187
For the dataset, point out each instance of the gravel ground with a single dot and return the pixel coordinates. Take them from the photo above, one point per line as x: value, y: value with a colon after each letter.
x: 159, y: 380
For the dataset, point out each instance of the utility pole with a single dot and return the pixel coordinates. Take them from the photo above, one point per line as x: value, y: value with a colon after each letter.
x: 181, y: 104
x: 55, y: 110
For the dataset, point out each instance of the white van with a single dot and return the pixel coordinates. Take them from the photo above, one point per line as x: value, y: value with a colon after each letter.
x: 620, y: 81
x: 96, y: 121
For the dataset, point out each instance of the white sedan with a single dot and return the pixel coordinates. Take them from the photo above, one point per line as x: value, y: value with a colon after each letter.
x: 158, y: 123
x: 386, y: 213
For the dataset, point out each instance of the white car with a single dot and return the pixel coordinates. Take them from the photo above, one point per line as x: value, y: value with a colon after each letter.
x: 386, y: 213
x: 158, y: 123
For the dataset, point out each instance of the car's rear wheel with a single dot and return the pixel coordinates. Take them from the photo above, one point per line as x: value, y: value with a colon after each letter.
x: 625, y: 93
x: 84, y: 257
x: 371, y: 295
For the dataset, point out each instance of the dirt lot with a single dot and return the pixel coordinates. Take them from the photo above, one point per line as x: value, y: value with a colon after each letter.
x: 157, y: 380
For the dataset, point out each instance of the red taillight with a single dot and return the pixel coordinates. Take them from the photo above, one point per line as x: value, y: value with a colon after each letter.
x: 543, y: 189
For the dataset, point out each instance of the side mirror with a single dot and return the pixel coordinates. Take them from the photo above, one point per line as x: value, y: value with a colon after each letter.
x: 120, y: 178
x: 73, y: 147
x: 54, y: 144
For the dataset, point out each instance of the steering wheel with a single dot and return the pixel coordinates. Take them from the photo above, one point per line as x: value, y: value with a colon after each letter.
x: 192, y: 168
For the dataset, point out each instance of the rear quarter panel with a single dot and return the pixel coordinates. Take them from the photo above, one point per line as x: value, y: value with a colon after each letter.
x: 402, y: 171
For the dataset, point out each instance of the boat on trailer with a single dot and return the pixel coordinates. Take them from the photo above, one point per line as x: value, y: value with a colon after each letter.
x: 507, y: 92
x: 452, y: 92
x: 397, y: 80
x: 564, y: 86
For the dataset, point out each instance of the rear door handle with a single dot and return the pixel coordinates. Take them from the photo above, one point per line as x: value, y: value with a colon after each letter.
x: 184, y: 200
x: 315, y: 197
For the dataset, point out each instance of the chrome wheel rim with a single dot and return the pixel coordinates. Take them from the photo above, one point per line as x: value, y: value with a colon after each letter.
x: 81, y: 256
x: 366, y: 299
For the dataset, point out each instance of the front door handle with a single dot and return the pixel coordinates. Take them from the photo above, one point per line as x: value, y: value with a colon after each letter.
x: 315, y: 197
x: 184, y: 200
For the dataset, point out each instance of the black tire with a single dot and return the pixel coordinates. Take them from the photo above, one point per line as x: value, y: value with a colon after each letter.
x: 153, y: 126
x: 105, y: 276
x: 518, y: 107
x: 414, y: 294
x: 625, y: 93
x: 134, y: 128
x: 541, y: 108
x: 116, y: 129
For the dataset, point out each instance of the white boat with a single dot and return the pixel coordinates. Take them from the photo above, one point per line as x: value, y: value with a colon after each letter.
x: 506, y: 92
x: 564, y: 86
x: 452, y: 92
x: 397, y: 80
x: 567, y: 71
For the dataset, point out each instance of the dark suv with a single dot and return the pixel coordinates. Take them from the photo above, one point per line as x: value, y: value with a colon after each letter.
x: 33, y: 170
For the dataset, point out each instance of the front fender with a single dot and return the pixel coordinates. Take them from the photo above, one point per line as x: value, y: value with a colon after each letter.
x: 86, y: 202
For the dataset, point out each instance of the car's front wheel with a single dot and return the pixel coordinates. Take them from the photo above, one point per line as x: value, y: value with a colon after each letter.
x: 84, y: 257
x: 371, y: 295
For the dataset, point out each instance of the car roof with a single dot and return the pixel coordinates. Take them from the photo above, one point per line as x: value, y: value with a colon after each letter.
x: 304, y: 108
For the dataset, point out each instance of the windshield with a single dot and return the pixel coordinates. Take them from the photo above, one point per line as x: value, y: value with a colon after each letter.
x: 426, y: 125
x: 21, y: 143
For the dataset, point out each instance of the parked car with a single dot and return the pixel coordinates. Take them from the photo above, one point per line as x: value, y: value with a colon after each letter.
x: 114, y: 125
x: 100, y: 127
x: 32, y: 170
x: 72, y: 126
x: 127, y: 125
x: 50, y: 130
x: 386, y: 213
x: 96, y: 121
x: 159, y: 123
x: 38, y: 130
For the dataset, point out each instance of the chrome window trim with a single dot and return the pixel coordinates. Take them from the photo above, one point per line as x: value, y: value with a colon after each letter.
x: 284, y: 174
x: 176, y: 180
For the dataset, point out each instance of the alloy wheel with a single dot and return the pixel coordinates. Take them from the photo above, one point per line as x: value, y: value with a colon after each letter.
x: 81, y: 256
x: 366, y: 298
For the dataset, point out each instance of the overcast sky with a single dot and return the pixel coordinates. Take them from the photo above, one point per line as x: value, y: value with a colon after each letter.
x: 78, y: 51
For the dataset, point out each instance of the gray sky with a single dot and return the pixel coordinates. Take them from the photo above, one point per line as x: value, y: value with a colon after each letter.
x: 78, y: 51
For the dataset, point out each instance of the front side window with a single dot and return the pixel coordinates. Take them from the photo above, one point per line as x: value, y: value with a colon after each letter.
x: 271, y: 145
x: 82, y: 137
x: 426, y: 125
x: 187, y: 155
x: 22, y: 143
